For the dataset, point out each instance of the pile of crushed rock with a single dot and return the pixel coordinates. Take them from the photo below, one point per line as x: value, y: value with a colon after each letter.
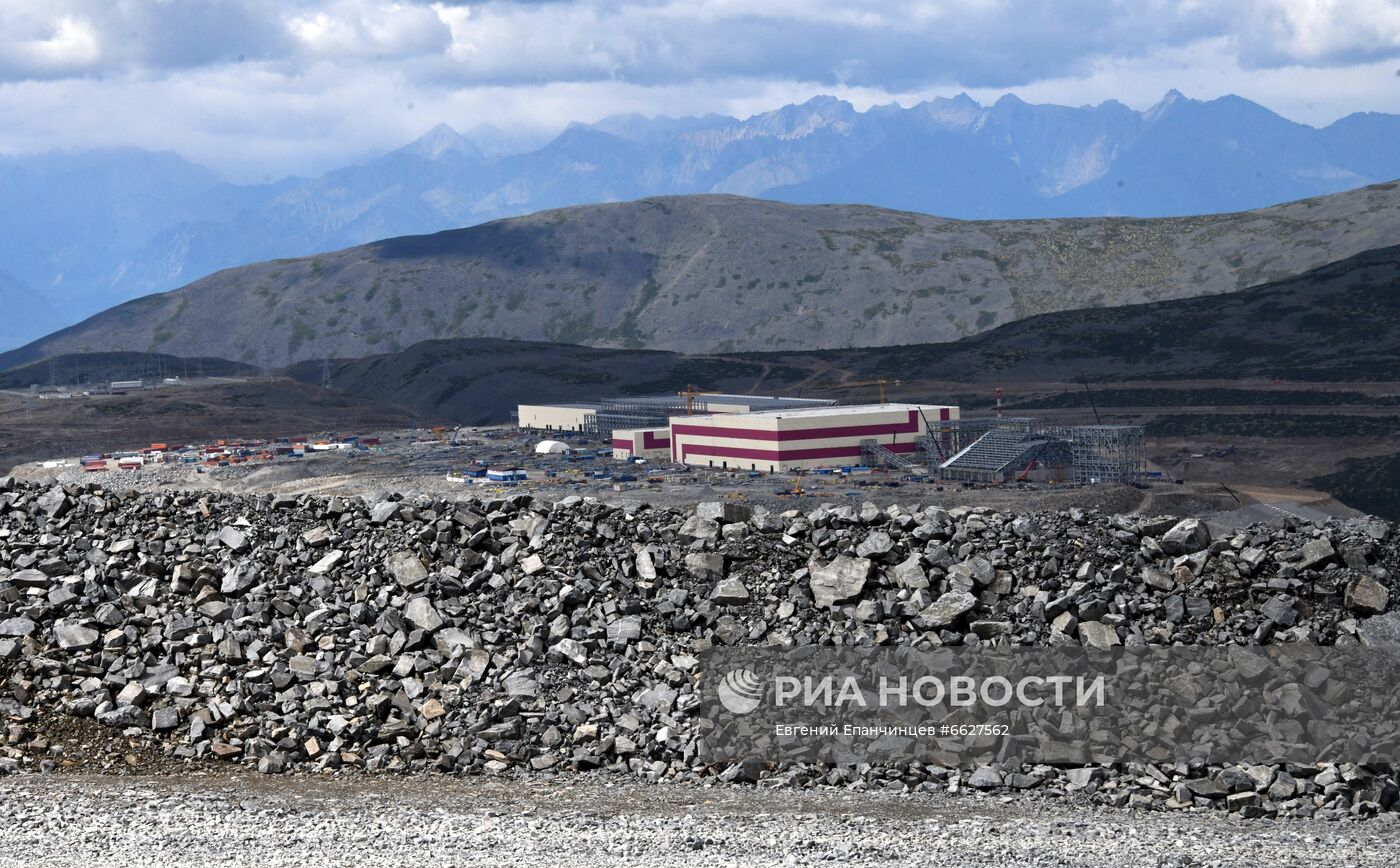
x: 520, y: 636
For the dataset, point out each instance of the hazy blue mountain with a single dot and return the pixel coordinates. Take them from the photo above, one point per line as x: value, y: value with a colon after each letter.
x: 94, y: 229
x: 69, y: 223
x: 26, y: 315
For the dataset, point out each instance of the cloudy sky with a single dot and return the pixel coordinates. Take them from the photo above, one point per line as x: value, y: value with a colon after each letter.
x: 261, y: 88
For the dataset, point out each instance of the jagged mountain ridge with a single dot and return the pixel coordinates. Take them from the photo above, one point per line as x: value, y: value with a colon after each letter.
x: 91, y: 230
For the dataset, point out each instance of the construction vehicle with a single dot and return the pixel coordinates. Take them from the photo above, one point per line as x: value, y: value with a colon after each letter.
x: 1030, y: 465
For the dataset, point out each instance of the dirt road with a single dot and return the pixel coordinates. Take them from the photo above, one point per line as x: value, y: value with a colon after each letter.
x: 307, y: 821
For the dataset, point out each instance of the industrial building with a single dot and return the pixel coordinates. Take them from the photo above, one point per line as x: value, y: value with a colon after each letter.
x: 776, y: 434
x: 599, y: 419
x: 803, y: 438
x: 652, y: 444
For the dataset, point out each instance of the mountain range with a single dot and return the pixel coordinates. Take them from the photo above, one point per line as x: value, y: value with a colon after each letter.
x: 724, y: 274
x: 85, y: 231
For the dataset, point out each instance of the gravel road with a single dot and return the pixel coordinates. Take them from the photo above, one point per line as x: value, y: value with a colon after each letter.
x: 307, y: 821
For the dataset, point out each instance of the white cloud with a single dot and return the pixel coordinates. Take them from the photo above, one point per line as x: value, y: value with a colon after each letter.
x: 260, y: 87
x: 43, y: 47
x: 355, y: 29
x: 1281, y: 33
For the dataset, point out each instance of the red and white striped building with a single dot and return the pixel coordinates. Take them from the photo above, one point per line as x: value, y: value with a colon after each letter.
x: 799, y: 439
x: 653, y: 444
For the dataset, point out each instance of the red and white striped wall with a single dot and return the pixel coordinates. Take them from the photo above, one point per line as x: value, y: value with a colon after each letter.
x: 649, y: 443
x: 783, y: 440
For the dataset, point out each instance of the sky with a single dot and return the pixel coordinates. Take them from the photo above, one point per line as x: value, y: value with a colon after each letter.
x: 258, y: 89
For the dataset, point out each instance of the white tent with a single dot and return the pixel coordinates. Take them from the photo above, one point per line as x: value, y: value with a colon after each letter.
x: 551, y: 447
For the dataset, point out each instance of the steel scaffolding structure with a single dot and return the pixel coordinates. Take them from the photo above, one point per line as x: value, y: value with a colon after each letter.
x: 987, y: 449
x: 992, y: 457
x: 623, y: 414
x: 876, y: 455
x: 1105, y: 453
x: 948, y: 437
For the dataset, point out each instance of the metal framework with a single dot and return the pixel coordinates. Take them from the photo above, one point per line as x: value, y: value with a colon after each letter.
x: 947, y: 437
x: 991, y: 449
x: 620, y: 414
x: 1105, y: 453
x: 876, y: 455
x: 993, y: 456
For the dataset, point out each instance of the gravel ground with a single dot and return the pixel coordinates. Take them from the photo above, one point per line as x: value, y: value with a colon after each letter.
x: 420, y: 468
x: 305, y: 821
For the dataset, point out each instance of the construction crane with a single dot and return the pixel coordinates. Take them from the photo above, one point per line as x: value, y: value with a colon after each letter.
x: 852, y: 384
x: 690, y: 394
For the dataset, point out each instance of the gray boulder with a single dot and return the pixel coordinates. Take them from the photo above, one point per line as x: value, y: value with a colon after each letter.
x: 705, y: 566
x: 730, y: 592
x: 841, y: 579
x: 407, y: 569
x: 1096, y: 634
x: 948, y: 608
x: 17, y: 627
x: 723, y: 511
x: 1366, y: 596
x: 72, y: 637
x: 1186, y: 537
x: 420, y: 613
x: 1316, y: 553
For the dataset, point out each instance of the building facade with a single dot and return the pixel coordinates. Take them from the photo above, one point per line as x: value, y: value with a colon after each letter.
x: 800, y: 439
x: 653, y: 444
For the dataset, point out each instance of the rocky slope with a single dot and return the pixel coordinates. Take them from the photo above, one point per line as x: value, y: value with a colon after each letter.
x: 1338, y: 323
x: 719, y: 273
x: 516, y: 635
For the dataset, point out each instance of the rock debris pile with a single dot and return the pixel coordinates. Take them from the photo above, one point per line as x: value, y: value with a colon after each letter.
x: 518, y: 635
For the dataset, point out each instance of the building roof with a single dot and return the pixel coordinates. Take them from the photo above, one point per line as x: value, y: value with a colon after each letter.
x: 577, y: 405
x: 767, y: 402
x: 840, y: 410
x: 994, y: 450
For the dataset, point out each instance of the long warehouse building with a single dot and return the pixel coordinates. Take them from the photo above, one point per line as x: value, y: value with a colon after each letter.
x: 799, y: 439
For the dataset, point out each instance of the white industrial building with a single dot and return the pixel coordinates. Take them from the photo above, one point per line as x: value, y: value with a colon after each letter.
x: 803, y: 438
x: 653, y: 444
x: 601, y: 418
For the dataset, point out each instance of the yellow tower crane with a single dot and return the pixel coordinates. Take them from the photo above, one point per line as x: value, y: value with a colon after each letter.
x: 690, y: 394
